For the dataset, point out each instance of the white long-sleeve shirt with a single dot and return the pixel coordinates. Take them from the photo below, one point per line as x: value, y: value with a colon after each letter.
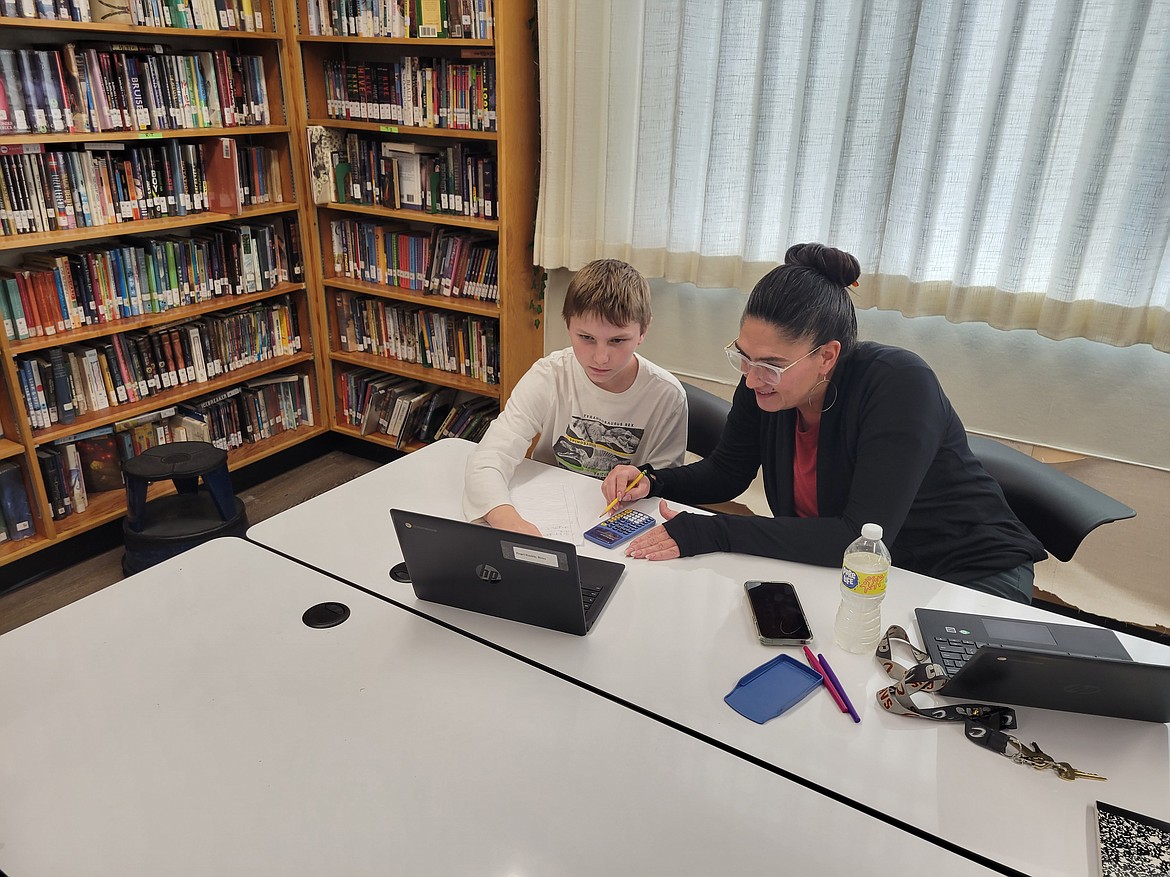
x: 581, y: 427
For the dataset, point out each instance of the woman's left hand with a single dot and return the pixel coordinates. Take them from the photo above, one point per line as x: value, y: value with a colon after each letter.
x: 656, y: 544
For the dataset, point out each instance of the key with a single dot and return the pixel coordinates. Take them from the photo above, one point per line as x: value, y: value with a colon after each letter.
x: 1036, y: 757
x: 1032, y: 755
x: 1066, y: 771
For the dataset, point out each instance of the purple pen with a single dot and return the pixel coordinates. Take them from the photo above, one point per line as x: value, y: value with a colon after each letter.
x: 840, y: 689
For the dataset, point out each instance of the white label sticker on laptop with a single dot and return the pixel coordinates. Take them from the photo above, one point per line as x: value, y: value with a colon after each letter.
x: 538, y: 556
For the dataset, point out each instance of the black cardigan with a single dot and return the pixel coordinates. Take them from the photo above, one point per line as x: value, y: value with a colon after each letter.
x: 891, y: 450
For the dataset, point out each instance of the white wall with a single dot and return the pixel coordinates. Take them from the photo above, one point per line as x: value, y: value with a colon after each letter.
x: 1075, y: 395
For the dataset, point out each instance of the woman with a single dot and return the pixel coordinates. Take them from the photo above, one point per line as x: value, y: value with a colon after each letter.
x: 847, y: 432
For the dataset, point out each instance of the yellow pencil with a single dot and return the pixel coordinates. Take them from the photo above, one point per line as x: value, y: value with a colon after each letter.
x: 618, y: 499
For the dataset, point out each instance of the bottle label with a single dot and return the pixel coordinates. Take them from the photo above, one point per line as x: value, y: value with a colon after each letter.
x: 867, y: 583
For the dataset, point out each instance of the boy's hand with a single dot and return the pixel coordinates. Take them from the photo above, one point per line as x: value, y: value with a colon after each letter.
x: 505, y: 517
x: 621, y: 477
x: 656, y: 544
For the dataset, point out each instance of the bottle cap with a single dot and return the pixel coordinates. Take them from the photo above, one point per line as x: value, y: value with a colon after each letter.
x: 872, y: 532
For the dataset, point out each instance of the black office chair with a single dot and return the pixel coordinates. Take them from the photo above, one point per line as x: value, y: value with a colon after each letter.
x: 706, y: 415
x: 1059, y: 510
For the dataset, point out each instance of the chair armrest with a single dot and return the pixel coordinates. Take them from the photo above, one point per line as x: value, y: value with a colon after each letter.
x: 1059, y: 510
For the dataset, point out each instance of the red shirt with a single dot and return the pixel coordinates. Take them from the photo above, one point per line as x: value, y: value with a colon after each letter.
x: 804, y: 469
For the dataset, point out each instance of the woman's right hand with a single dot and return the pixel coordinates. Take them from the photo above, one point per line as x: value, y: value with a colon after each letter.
x: 620, y: 478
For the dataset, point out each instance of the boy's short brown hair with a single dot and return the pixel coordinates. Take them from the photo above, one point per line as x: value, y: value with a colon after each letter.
x: 613, y: 290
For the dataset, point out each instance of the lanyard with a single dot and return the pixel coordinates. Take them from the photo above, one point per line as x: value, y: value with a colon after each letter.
x: 983, y: 724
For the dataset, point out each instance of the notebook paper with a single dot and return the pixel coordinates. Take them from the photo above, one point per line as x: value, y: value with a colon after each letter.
x: 552, y: 508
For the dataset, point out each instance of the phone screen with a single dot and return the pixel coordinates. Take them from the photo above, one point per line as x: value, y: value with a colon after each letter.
x: 779, y: 617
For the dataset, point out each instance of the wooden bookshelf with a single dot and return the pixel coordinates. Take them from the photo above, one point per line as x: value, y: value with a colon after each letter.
x: 143, y: 227
x: 276, y: 47
x: 292, y: 62
x: 512, y: 143
x: 148, y: 321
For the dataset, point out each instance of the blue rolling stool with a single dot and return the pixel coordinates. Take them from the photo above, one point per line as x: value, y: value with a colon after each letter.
x: 161, y: 528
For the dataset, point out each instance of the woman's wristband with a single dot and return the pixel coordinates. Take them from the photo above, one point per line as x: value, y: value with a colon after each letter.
x: 651, y: 479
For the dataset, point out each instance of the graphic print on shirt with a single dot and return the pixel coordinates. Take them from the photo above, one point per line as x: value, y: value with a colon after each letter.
x: 593, y: 447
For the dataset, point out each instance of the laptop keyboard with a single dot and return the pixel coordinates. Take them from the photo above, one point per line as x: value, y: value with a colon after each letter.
x: 588, y: 595
x: 956, y: 652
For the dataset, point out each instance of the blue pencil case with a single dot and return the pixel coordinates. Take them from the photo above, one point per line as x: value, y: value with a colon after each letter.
x: 773, y: 688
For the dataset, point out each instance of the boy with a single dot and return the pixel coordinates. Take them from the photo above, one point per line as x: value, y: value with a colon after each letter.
x: 594, y: 405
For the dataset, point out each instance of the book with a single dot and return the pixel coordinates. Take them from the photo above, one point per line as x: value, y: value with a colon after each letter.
x: 431, y: 21
x: 111, y: 11
x: 410, y: 168
x: 434, y: 413
x: 15, y: 325
x: 222, y: 169
x: 53, y: 473
x: 14, y: 96
x: 324, y: 143
x: 415, y: 405
x: 1131, y: 844
x: 74, y: 478
x: 469, y: 419
x: 100, y: 466
x: 378, y: 393
x: 189, y: 425
x: 14, y: 505
x: 62, y: 385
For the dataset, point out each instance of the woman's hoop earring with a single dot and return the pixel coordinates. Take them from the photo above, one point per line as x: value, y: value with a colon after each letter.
x: 823, y: 380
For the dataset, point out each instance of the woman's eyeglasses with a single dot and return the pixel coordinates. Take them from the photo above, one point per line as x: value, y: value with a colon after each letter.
x: 769, y: 374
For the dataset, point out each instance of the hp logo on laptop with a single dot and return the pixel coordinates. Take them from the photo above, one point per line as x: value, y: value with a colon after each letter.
x: 488, y: 573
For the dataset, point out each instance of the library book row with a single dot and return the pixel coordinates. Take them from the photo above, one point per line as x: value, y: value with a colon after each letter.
x: 422, y: 92
x: 71, y: 381
x: 51, y: 293
x: 91, y: 462
x: 352, y: 168
x: 461, y: 344
x: 228, y: 15
x: 97, y: 87
x: 438, y: 262
x: 422, y: 19
x: 110, y: 183
x: 408, y: 411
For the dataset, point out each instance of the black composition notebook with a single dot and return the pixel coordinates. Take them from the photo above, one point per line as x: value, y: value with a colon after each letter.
x: 1130, y: 844
x: 509, y: 575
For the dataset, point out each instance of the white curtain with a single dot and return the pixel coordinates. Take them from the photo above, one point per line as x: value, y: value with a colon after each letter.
x: 1006, y: 161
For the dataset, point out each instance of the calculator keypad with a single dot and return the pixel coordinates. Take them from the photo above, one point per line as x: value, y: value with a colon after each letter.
x: 628, y: 521
x: 618, y: 528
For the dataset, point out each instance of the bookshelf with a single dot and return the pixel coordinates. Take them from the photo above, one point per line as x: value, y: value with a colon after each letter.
x: 356, y: 73
x: 184, y: 290
x: 495, y: 316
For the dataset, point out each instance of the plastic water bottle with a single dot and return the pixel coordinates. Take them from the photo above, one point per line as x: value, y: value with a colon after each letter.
x: 863, y: 586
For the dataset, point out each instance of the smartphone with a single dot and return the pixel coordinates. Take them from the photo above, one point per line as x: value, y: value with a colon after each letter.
x: 620, y: 527
x: 778, y: 614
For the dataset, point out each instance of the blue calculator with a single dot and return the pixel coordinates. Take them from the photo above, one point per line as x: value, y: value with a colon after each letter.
x: 616, y: 529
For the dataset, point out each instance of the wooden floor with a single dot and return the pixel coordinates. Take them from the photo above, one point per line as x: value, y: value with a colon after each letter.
x: 261, y: 501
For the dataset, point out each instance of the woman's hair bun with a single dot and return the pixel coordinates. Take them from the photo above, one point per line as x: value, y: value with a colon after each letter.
x: 836, y: 265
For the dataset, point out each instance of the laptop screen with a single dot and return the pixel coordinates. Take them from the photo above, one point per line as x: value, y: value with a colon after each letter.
x: 497, y: 572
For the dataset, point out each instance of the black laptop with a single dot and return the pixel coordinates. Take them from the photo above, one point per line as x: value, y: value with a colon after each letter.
x: 510, y: 575
x: 1043, y: 664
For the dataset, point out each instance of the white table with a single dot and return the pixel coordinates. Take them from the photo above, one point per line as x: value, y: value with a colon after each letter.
x: 676, y: 636
x: 185, y: 721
